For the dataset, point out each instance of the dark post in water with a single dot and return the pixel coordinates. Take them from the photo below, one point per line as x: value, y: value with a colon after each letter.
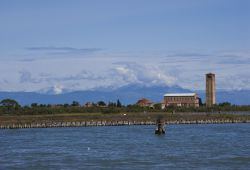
x: 160, y: 126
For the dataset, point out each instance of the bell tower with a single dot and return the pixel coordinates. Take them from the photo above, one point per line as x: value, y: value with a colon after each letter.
x: 210, y: 89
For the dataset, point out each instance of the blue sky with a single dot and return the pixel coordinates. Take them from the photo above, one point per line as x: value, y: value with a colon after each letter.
x: 79, y: 45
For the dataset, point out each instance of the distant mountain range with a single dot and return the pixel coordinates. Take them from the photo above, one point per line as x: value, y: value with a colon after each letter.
x: 127, y: 95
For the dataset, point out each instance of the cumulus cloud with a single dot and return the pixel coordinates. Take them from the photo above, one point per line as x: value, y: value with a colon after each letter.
x: 27, y: 77
x: 58, y: 89
x: 190, y: 69
x: 70, y: 74
x: 234, y: 82
x: 119, y: 74
x: 143, y: 74
x: 83, y: 75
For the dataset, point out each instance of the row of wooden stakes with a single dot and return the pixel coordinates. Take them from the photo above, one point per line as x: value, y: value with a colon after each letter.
x: 112, y: 123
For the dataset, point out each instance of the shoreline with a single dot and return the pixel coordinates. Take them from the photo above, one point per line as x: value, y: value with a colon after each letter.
x: 113, y: 119
x: 113, y: 123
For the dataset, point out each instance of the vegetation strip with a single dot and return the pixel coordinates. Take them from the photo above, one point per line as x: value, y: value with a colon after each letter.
x: 12, y: 115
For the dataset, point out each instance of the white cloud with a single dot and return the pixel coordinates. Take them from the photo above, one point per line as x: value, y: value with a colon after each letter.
x: 143, y: 74
x: 186, y: 70
x: 58, y: 89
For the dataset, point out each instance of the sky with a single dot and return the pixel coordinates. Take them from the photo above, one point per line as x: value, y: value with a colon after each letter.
x: 65, y: 45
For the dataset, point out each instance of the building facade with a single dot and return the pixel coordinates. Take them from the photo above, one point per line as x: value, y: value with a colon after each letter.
x: 210, y: 89
x: 181, y: 99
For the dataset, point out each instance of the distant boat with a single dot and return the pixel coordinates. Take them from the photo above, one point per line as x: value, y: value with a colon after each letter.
x: 160, y: 123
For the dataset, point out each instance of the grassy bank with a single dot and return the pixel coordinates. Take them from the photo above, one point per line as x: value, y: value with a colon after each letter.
x: 114, y: 118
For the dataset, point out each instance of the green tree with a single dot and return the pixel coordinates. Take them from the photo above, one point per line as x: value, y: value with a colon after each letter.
x: 75, y: 103
x: 66, y: 105
x: 9, y: 104
x: 157, y: 106
x: 118, y: 103
x: 101, y: 103
x: 34, y: 105
x: 225, y: 104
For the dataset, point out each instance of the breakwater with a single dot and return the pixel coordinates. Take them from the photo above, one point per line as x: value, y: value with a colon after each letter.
x: 113, y: 123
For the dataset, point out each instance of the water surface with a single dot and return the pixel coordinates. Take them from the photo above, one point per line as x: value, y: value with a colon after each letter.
x: 210, y: 146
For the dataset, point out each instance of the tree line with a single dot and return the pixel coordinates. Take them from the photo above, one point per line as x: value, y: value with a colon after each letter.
x: 12, y: 107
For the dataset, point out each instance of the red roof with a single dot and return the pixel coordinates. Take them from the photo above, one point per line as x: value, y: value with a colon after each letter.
x: 144, y: 101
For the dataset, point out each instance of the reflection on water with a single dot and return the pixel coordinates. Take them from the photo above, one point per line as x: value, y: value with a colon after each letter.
x: 224, y: 146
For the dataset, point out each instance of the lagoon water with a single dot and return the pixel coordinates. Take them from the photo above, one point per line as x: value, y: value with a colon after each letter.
x: 209, y: 146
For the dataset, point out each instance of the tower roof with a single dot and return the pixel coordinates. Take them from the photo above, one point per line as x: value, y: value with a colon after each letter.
x: 210, y: 73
